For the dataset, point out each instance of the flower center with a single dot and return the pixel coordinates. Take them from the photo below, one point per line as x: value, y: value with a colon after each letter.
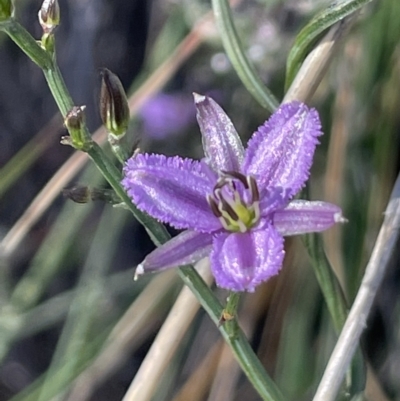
x: 235, y: 201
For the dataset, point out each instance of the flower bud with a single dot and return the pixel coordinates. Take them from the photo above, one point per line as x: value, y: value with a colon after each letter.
x: 84, y: 194
x: 49, y: 15
x: 114, y: 109
x: 75, y: 124
x: 6, y: 9
x: 77, y: 193
x: 75, y: 119
x: 48, y: 42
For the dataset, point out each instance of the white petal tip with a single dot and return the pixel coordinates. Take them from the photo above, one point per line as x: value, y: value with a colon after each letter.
x: 198, y: 98
x: 339, y: 218
x: 139, y: 271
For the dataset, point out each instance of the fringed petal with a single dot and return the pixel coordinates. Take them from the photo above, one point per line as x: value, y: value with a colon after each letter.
x: 222, y: 145
x: 186, y: 248
x: 172, y: 190
x: 241, y: 261
x: 280, y: 153
x: 301, y: 217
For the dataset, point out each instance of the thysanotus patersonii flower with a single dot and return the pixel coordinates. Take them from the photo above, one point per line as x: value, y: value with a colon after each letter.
x: 235, y: 204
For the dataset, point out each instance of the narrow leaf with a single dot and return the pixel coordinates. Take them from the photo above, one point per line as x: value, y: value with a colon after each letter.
x: 311, y: 32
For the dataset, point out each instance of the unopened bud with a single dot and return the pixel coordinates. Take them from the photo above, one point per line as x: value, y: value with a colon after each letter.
x: 48, y: 42
x: 77, y: 193
x: 75, y: 123
x: 114, y: 109
x: 75, y: 119
x: 49, y: 15
x: 83, y: 194
x: 6, y: 9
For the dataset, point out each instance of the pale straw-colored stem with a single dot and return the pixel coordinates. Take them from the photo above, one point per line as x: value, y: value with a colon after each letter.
x: 356, y: 322
x: 197, y: 385
x: 169, y: 338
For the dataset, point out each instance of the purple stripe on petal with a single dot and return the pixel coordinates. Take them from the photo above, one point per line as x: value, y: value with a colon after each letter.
x: 172, y: 190
x: 241, y: 261
x: 222, y: 145
x: 280, y: 153
x: 301, y: 217
x: 186, y: 248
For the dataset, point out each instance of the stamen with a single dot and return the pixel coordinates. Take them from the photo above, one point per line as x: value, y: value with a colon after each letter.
x: 214, y: 206
x: 220, y: 183
x: 235, y: 201
x: 255, y: 195
x: 238, y: 176
x: 256, y: 208
x: 226, y: 207
x: 225, y: 223
x: 242, y: 226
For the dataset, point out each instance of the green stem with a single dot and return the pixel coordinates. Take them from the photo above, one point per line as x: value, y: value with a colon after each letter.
x: 232, y: 304
x: 337, y: 306
x: 118, y: 147
x: 229, y: 314
x: 335, y: 300
x: 246, y: 357
x: 239, y: 60
x: 58, y: 89
x: 26, y: 43
x: 327, y: 280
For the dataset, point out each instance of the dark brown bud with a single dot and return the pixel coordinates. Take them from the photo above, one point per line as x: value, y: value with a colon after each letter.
x: 114, y: 109
x: 77, y: 193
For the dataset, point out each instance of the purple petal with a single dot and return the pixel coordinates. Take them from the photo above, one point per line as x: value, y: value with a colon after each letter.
x: 280, y: 153
x: 301, y: 217
x: 241, y: 261
x: 172, y: 190
x: 222, y: 145
x: 274, y: 199
x: 186, y: 248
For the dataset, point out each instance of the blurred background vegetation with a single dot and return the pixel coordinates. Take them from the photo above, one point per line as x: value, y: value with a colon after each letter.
x: 67, y: 293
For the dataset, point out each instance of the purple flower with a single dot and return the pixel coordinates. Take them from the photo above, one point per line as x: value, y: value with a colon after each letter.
x: 166, y: 114
x: 235, y: 204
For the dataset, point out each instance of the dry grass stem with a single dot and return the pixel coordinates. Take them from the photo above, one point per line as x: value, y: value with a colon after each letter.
x: 167, y: 341
x: 342, y: 125
x: 196, y: 387
x: 356, y: 321
x: 127, y: 335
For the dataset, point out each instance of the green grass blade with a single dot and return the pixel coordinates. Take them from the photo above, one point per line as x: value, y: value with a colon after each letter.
x: 311, y: 32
